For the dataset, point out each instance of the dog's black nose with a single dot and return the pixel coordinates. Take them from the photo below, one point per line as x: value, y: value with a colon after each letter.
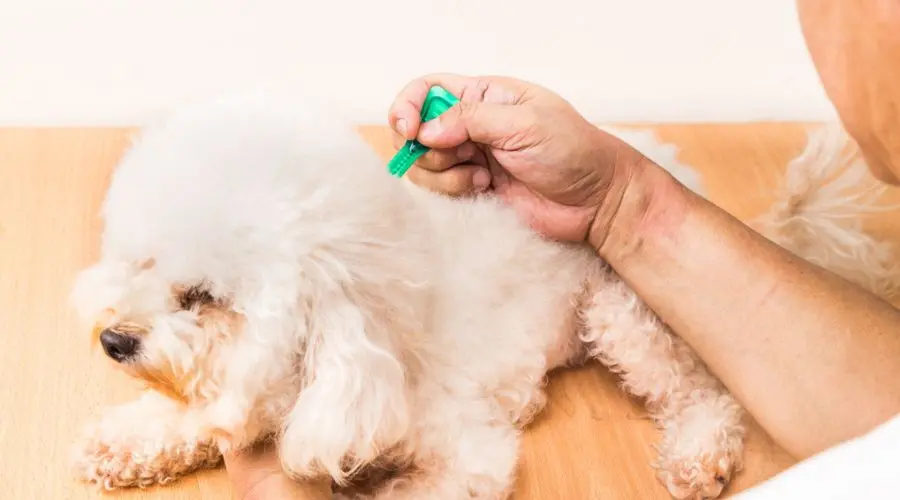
x: 117, y: 346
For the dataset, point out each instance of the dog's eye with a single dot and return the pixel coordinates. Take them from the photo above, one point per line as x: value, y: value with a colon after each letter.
x: 195, y: 296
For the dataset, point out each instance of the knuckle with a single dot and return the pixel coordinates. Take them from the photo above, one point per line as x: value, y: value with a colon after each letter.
x: 438, y: 160
x: 456, y: 181
x: 411, y: 102
x: 482, y: 86
x: 476, y: 90
x: 428, y: 161
x: 408, y: 97
x: 465, y: 152
x: 504, y: 89
x: 467, y: 109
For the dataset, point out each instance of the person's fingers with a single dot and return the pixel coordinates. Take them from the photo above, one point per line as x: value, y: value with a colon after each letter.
x: 437, y: 160
x: 460, y: 180
x: 496, y: 125
x: 404, y: 115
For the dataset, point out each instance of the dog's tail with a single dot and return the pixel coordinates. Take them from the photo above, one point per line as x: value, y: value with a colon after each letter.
x: 819, y: 211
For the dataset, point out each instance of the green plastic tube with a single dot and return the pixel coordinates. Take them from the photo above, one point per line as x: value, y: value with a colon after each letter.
x: 436, y: 103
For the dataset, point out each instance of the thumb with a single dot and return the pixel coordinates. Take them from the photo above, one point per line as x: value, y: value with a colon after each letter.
x: 492, y: 124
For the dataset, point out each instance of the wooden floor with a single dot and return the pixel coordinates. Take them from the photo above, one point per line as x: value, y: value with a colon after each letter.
x: 591, y: 443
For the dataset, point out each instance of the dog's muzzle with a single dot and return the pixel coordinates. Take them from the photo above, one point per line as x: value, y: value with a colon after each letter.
x: 117, y: 346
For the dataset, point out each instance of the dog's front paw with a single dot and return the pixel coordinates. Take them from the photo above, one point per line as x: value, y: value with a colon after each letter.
x: 100, y: 464
x: 138, y: 463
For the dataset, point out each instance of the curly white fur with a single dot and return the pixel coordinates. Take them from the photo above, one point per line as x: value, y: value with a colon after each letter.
x: 820, y: 207
x: 279, y: 282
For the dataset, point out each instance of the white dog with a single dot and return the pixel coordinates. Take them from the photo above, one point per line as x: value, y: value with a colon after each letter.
x: 265, y: 275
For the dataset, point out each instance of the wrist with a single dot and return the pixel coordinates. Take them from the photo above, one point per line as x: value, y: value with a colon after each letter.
x: 648, y: 203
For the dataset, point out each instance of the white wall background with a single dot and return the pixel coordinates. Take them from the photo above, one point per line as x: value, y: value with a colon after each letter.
x: 111, y: 62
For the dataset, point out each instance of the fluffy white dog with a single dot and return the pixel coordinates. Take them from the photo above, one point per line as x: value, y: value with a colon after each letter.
x: 265, y: 276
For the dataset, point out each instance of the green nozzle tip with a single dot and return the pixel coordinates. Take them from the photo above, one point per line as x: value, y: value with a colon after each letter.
x: 436, y: 103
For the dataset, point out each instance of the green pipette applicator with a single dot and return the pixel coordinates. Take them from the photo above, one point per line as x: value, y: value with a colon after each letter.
x: 436, y: 103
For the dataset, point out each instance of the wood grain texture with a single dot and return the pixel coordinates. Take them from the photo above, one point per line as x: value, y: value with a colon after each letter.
x: 592, y: 442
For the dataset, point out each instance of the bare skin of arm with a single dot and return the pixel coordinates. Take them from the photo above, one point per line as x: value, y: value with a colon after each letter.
x: 256, y: 474
x: 813, y: 358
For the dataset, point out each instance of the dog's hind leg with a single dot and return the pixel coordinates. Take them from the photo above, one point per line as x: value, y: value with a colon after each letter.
x: 142, y: 443
x: 701, y: 422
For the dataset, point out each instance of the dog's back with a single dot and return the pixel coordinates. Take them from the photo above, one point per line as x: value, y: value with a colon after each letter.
x: 506, y: 298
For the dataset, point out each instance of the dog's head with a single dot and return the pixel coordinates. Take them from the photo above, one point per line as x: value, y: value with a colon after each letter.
x: 169, y: 334
x: 258, y: 267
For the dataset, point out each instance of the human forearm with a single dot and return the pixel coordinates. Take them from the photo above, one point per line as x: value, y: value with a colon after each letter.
x: 811, y: 356
x: 256, y: 474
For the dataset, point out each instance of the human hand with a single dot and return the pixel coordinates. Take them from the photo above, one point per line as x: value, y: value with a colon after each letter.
x: 256, y: 474
x: 527, y: 144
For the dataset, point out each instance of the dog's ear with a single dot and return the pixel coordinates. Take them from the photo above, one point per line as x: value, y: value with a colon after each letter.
x: 354, y: 402
x: 96, y: 288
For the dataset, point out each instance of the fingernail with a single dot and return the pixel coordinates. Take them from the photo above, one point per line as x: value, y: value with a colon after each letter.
x: 481, y: 179
x: 402, y: 127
